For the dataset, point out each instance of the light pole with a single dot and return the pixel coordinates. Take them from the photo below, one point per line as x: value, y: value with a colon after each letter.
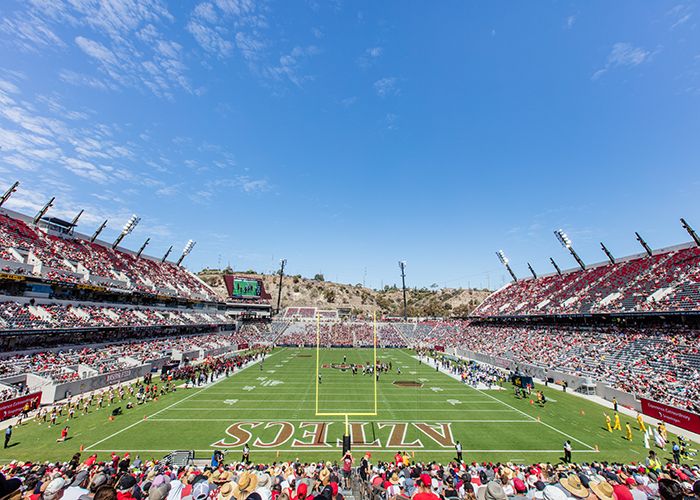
x: 128, y: 227
x: 641, y: 241
x: 186, y: 251
x: 555, y: 266
x: 691, y: 231
x: 506, y: 263
x: 12, y: 189
x: 534, y: 274
x: 607, y: 252
x: 566, y: 243
x: 402, y: 266
x: 283, y: 262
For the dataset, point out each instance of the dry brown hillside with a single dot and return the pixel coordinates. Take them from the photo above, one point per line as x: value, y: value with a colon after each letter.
x: 299, y: 291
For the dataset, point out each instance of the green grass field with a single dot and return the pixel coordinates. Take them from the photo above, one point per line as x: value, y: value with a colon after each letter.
x: 274, y: 410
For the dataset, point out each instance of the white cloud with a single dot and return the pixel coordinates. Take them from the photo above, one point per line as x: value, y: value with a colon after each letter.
x: 253, y: 185
x: 390, y: 120
x: 289, y: 65
x: 29, y: 32
x: 86, y: 170
x: 82, y: 80
x: 123, y: 36
x: 8, y: 87
x: 349, y: 101
x: 222, y: 27
x: 21, y: 162
x: 168, y: 190
x: 369, y: 57
x: 623, y: 54
x: 210, y: 38
x: 570, y: 21
x: 96, y: 50
x: 250, y: 46
x: 680, y: 14
x: 386, y: 86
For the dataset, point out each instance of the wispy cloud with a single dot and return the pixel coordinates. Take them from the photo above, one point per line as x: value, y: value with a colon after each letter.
x: 679, y: 15
x: 83, y: 80
x: 226, y: 27
x: 623, y: 55
x: 386, y: 87
x: 390, y: 121
x: 348, y: 101
x: 570, y: 21
x: 203, y: 26
x: 29, y: 33
x: 288, y: 66
x: 369, y: 57
x: 123, y: 38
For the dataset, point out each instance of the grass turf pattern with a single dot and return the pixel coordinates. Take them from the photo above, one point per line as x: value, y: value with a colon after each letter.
x: 274, y: 410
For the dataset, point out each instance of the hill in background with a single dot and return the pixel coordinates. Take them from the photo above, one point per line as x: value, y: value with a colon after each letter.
x: 300, y: 291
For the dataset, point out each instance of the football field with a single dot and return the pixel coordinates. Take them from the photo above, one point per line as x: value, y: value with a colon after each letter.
x: 283, y: 410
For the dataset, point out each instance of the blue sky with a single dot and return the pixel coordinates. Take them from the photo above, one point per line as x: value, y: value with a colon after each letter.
x: 347, y: 135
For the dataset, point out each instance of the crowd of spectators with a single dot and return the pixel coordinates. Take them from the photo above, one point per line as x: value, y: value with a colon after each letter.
x: 63, y: 365
x: 662, y: 364
x: 28, y: 316
x: 668, y: 281
x: 341, y: 334
x: 75, y: 260
x: 8, y: 392
x: 123, y: 477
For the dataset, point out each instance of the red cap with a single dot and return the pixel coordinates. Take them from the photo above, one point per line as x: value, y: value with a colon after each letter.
x: 425, y: 479
x: 630, y: 481
x: 622, y: 492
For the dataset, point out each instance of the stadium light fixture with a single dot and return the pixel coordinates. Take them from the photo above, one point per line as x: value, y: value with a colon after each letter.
x: 402, y: 266
x: 283, y: 262
x: 685, y: 225
x: 166, y: 254
x: 143, y: 247
x: 555, y: 266
x: 128, y: 227
x: 8, y: 193
x: 566, y: 243
x: 641, y: 241
x: 186, y: 251
x: 534, y: 274
x: 506, y: 263
x: 43, y: 210
x: 98, y: 231
x: 607, y: 252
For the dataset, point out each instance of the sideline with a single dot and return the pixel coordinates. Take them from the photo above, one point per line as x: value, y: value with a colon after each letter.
x: 449, y: 374
x: 147, y: 417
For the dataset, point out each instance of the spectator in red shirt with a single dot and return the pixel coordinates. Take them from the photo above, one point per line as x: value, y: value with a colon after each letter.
x: 423, y: 491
